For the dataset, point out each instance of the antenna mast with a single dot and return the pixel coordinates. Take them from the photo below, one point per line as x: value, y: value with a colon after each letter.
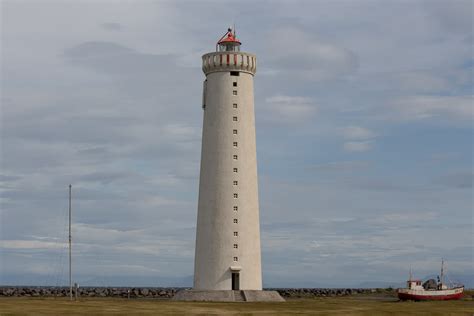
x: 70, y: 250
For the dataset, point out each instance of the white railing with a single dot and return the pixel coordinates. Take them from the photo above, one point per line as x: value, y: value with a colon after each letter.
x: 229, y: 61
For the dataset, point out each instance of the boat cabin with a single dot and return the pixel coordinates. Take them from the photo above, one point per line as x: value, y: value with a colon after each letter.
x: 414, y: 285
x: 442, y: 286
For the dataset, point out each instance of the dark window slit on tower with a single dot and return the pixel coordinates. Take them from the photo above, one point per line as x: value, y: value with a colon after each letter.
x: 235, y: 73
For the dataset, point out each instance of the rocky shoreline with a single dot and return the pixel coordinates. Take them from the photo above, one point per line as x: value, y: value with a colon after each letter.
x: 167, y: 293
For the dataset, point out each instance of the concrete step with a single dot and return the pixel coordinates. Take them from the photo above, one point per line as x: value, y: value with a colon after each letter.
x: 239, y: 296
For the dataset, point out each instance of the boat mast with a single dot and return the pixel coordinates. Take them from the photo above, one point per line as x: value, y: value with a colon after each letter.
x: 442, y: 270
x: 70, y: 250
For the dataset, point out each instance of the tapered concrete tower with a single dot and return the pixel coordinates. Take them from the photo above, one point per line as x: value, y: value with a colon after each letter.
x: 228, y: 230
x: 227, y: 262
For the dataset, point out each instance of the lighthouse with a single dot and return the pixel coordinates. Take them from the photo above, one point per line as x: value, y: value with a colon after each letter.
x: 227, y: 265
x: 227, y: 255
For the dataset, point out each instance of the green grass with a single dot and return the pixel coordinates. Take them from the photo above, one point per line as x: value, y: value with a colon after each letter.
x: 354, y: 305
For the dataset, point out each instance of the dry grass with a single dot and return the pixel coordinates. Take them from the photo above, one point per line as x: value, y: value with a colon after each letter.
x: 355, y: 305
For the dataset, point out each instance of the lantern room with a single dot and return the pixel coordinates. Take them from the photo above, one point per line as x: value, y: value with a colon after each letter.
x: 228, y: 42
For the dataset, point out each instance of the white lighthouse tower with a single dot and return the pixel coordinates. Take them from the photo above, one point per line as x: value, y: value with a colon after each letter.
x: 227, y: 264
x: 228, y: 231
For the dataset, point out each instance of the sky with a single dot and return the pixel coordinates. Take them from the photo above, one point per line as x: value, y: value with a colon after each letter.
x: 364, y: 121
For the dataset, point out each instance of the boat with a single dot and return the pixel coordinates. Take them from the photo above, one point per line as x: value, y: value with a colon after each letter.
x: 431, y: 289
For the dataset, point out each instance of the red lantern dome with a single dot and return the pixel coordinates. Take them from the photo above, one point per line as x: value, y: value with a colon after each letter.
x: 228, y: 42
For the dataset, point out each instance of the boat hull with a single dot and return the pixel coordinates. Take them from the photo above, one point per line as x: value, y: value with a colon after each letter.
x: 435, y: 295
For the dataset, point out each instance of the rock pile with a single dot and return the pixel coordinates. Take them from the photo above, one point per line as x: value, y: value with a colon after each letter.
x: 166, y: 293
x: 321, y: 292
x: 125, y: 292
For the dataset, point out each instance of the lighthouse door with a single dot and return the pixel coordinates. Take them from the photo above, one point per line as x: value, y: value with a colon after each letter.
x: 235, y: 281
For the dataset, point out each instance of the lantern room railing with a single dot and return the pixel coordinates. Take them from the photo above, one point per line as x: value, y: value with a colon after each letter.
x: 229, y: 61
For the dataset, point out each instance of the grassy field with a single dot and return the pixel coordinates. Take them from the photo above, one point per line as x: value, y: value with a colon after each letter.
x: 355, y: 305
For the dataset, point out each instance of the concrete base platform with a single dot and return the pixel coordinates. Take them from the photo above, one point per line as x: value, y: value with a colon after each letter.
x: 228, y: 296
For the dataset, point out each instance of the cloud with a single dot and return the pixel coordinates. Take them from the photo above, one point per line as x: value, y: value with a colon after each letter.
x: 120, y: 61
x: 357, y: 133
x: 444, y: 156
x: 7, y: 178
x: 357, y: 146
x: 434, y: 107
x: 112, y: 26
x: 360, y: 139
x: 381, y: 185
x: 303, y: 54
x: 405, y: 217
x: 423, y: 82
x: 343, y: 166
x: 460, y: 180
x: 91, y: 50
x: 29, y: 244
x: 453, y: 17
x: 105, y: 176
x: 290, y: 109
x: 114, y: 109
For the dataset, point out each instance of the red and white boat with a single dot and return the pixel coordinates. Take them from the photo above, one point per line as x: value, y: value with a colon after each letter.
x: 430, y: 290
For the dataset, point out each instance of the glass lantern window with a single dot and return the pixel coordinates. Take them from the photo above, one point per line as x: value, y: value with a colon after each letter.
x: 229, y: 47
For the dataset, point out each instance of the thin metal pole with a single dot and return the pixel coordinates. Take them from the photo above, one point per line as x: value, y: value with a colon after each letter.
x: 70, y: 250
x: 442, y: 270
